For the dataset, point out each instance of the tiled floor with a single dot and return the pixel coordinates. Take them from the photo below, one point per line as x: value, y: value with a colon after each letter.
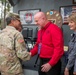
x: 30, y: 72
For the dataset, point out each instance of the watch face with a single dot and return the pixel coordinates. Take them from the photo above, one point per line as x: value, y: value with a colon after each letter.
x: 55, y: 17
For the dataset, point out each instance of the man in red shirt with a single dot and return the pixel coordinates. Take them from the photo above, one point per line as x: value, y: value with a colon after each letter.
x: 49, y: 46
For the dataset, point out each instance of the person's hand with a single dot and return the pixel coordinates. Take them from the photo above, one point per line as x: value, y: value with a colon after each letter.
x: 30, y: 53
x: 74, y: 73
x: 66, y: 72
x: 46, y: 67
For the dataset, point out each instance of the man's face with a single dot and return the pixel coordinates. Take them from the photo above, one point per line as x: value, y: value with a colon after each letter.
x: 20, y: 28
x: 17, y: 24
x: 39, y: 21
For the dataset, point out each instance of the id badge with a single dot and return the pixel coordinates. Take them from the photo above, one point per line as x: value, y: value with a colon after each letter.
x: 39, y: 48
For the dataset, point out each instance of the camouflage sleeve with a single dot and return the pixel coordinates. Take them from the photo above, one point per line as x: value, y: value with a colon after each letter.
x: 20, y: 47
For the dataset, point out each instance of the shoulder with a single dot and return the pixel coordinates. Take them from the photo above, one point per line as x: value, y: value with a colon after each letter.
x: 15, y: 33
x: 54, y: 27
x: 18, y: 34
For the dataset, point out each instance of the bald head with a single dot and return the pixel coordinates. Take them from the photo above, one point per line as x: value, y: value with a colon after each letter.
x: 40, y: 14
x: 40, y: 19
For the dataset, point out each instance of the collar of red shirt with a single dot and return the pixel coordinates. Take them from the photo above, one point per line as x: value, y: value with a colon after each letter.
x: 47, y: 25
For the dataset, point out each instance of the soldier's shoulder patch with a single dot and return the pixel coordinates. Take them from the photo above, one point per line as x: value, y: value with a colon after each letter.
x: 21, y: 40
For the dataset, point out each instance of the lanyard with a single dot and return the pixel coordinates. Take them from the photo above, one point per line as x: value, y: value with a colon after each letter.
x: 40, y: 44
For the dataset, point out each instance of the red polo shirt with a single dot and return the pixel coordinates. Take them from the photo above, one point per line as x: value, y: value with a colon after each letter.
x: 51, y: 38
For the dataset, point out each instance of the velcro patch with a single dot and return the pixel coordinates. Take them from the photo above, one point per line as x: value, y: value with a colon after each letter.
x: 20, y: 40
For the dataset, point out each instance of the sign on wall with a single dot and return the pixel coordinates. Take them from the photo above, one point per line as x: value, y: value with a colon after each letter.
x: 55, y: 17
x: 27, y: 16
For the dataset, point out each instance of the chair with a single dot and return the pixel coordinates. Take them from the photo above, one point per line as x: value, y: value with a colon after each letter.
x: 35, y: 37
x: 29, y: 39
x: 25, y: 35
x: 25, y: 32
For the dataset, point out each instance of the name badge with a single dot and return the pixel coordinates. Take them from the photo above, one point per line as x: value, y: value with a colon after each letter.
x: 39, y: 48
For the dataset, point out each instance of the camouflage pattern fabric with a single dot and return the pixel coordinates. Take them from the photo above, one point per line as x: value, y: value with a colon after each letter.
x: 9, y: 58
x: 11, y: 74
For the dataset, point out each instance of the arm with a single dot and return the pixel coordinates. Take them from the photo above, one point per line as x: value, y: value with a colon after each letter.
x: 58, y: 43
x: 71, y: 57
x: 74, y: 67
x: 20, y: 47
x: 71, y: 62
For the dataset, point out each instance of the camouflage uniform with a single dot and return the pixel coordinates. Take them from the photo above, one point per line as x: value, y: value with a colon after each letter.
x: 12, y: 47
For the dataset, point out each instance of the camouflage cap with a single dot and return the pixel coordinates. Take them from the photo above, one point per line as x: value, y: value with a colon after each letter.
x: 13, y: 15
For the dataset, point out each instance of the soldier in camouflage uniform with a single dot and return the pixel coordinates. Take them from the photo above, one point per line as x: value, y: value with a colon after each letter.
x: 12, y: 47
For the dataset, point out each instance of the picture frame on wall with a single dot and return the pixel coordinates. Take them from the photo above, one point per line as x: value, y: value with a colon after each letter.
x: 66, y: 11
x: 74, y: 1
x: 27, y: 16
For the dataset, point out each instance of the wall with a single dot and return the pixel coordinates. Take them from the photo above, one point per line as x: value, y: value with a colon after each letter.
x: 44, y: 5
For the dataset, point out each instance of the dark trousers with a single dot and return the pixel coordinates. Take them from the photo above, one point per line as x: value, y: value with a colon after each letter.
x: 55, y: 70
x: 71, y: 71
